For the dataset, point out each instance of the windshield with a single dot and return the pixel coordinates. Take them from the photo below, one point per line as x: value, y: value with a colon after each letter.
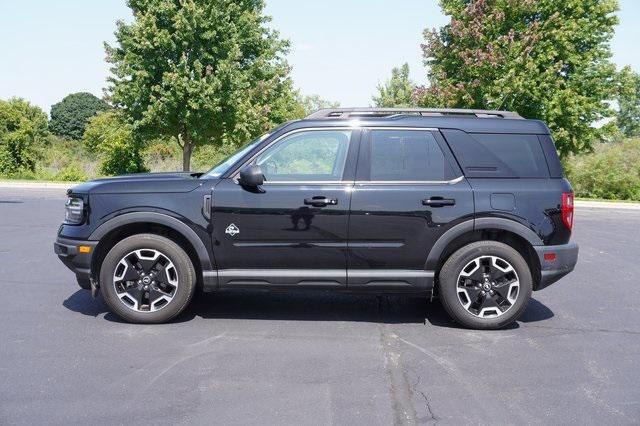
x: 225, y: 164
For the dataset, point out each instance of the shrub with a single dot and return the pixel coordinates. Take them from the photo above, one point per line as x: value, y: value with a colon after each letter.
x: 22, y: 126
x: 612, y: 171
x: 72, y: 173
x: 122, y: 159
x: 109, y: 135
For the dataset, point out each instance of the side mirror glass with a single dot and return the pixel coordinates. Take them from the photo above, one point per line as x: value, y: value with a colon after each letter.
x: 251, y: 176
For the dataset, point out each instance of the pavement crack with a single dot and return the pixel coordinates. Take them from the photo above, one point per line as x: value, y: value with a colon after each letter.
x: 399, y: 388
x: 433, y: 418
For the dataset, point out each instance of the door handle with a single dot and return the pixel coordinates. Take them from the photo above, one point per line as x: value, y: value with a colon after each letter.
x: 320, y: 201
x: 438, y: 202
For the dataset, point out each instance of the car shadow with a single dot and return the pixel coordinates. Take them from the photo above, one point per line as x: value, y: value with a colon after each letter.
x: 307, y: 306
x: 82, y: 302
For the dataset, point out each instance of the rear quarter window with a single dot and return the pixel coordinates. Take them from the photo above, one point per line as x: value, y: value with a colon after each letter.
x: 498, y: 155
x: 521, y: 153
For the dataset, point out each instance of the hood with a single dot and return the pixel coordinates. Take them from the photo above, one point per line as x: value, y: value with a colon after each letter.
x: 141, y: 183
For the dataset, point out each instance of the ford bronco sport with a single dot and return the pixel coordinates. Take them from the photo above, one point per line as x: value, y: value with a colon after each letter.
x: 470, y: 205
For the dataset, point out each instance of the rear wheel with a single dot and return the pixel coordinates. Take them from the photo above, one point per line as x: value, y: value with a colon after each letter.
x: 147, y: 278
x: 485, y: 285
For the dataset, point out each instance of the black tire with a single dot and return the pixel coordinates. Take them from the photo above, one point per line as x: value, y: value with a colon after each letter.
x: 184, y: 272
x: 453, y: 303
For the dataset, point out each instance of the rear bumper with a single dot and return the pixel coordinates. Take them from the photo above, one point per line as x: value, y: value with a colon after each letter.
x: 80, y: 263
x: 566, y: 257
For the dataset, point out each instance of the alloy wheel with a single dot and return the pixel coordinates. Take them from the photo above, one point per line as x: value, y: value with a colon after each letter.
x: 488, y: 286
x: 145, y: 280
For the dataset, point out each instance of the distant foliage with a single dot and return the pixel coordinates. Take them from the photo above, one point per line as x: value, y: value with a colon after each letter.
x: 22, y: 127
x: 612, y: 171
x: 545, y: 59
x: 628, y: 116
x: 200, y: 72
x: 313, y: 103
x: 109, y: 135
x: 398, y: 91
x: 71, y: 173
x: 70, y: 116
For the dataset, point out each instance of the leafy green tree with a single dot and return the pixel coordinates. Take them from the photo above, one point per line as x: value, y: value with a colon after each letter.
x: 542, y: 58
x: 398, y: 91
x: 200, y: 71
x: 22, y: 126
x: 313, y: 103
x: 70, y: 116
x: 628, y: 116
x: 111, y: 136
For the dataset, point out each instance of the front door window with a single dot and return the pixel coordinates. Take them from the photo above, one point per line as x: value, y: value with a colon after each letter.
x: 310, y: 156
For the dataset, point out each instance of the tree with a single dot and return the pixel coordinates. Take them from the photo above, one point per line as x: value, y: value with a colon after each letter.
x: 313, y: 103
x: 398, y: 91
x: 22, y: 126
x: 544, y: 59
x: 628, y: 116
x: 70, y: 116
x: 200, y: 71
x: 110, y: 135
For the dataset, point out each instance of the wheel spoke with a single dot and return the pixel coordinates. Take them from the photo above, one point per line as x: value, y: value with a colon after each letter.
x: 503, y: 290
x: 474, y: 293
x: 131, y: 273
x: 162, y: 275
x: 496, y: 274
x: 489, y: 301
x: 148, y: 264
x: 136, y: 294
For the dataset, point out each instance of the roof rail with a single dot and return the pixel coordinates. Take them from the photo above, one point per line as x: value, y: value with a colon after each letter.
x: 381, y: 112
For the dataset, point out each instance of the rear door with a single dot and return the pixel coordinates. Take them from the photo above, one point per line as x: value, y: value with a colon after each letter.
x: 408, y: 192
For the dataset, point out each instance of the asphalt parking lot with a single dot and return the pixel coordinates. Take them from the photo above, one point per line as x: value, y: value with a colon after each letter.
x: 316, y: 358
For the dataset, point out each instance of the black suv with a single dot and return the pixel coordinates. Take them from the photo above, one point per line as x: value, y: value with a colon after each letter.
x: 468, y: 205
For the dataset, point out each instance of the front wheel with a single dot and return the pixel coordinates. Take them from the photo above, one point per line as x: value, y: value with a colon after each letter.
x: 147, y: 279
x: 485, y: 285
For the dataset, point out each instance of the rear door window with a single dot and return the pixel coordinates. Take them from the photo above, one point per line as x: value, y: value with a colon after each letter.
x: 406, y: 155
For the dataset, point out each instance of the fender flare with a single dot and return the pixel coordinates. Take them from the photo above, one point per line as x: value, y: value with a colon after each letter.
x: 474, y: 225
x: 161, y: 219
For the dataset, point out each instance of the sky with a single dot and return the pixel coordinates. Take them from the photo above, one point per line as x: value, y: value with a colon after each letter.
x: 340, y: 49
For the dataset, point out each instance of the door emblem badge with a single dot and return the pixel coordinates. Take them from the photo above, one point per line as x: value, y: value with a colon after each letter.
x: 232, y: 230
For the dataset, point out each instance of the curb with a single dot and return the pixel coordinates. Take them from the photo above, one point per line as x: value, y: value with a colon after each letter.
x: 37, y: 185
x: 606, y: 205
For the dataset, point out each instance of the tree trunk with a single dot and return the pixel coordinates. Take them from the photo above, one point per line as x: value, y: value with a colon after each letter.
x: 187, y: 150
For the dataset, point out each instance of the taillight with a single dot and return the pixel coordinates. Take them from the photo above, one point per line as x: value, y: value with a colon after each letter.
x: 567, y: 209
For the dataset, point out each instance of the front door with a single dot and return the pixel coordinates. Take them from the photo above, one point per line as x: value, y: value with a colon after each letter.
x: 293, y: 230
x: 408, y: 192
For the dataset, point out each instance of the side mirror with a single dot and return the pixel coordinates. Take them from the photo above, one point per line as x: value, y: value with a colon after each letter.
x: 251, y: 176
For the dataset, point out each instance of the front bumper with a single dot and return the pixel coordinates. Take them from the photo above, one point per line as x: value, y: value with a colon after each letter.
x: 566, y: 257
x: 68, y: 251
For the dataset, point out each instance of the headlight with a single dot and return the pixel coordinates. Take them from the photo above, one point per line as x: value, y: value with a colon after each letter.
x: 74, y: 211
